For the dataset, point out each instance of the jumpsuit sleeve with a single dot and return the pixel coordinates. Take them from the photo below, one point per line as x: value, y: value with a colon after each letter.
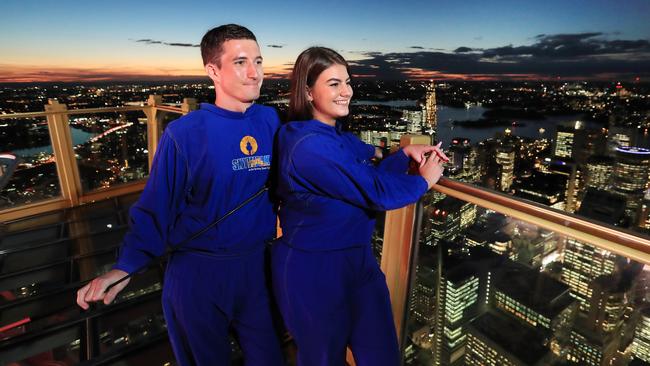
x: 396, y: 162
x: 153, y: 214
x: 321, y: 165
x: 363, y: 150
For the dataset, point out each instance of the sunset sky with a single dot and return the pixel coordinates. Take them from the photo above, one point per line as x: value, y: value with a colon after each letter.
x: 126, y: 40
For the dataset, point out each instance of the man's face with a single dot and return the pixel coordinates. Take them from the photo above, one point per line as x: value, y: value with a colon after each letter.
x: 238, y: 80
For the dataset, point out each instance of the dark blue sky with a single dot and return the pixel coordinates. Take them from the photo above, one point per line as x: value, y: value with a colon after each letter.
x: 88, y: 40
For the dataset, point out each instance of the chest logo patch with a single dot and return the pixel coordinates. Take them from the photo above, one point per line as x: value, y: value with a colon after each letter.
x: 248, y: 145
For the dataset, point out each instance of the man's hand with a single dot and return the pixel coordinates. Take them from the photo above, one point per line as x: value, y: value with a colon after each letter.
x: 418, y: 152
x: 94, y: 290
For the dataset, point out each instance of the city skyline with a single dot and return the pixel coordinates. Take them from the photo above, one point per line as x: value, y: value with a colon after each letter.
x: 86, y: 42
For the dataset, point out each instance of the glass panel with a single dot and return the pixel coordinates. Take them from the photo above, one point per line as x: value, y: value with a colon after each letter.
x: 35, y: 177
x: 111, y: 148
x: 378, y: 236
x: 487, y: 289
x: 562, y: 145
x: 131, y: 325
x: 60, y: 348
x: 164, y: 118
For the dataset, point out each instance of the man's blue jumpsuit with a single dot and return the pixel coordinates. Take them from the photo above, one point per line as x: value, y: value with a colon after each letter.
x: 206, y: 164
x: 327, y: 283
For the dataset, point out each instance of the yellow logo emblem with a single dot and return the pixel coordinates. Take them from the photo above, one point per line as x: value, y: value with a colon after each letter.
x: 248, y: 145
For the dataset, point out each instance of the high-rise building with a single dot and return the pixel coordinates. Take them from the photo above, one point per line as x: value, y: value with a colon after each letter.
x: 565, y: 138
x: 495, y: 339
x: 534, y: 298
x: 459, y: 291
x: 448, y: 218
x: 599, y: 172
x: 620, y: 136
x: 583, y: 263
x: 431, y: 111
x: 630, y: 176
x: 414, y: 120
x: 462, y: 294
x: 546, y: 188
x: 604, y: 206
x: 608, y: 303
x: 573, y: 175
x: 505, y: 159
x: 641, y: 343
x: 591, y: 348
x: 423, y: 296
x: 644, y: 216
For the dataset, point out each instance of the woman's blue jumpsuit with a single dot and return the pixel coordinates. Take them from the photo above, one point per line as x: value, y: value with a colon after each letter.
x: 327, y: 283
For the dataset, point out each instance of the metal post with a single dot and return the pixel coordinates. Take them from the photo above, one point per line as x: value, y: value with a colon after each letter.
x: 153, y: 127
x: 66, y: 162
x: 396, y: 257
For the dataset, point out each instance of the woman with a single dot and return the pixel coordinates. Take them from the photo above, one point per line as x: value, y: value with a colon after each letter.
x: 328, y: 285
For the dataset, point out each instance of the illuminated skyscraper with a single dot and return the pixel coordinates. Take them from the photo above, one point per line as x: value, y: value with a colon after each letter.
x: 505, y: 159
x: 620, y: 136
x: 414, y: 120
x: 534, y: 298
x: 583, y: 263
x: 630, y: 176
x: 599, y: 172
x: 431, y: 111
x: 459, y: 292
x: 591, y: 348
x: 644, y: 217
x: 448, y: 218
x: 462, y: 294
x: 495, y: 339
x: 564, y: 142
x: 422, y: 306
x: 641, y: 345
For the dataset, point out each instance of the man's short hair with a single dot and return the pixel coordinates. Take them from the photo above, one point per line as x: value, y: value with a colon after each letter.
x: 213, y: 40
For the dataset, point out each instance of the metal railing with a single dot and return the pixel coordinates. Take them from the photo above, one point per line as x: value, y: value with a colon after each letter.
x: 400, y: 225
x: 67, y: 170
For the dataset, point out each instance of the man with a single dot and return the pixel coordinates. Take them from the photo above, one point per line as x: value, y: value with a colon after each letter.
x: 207, y: 163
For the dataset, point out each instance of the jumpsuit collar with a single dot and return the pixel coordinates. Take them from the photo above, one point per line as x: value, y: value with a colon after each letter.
x: 337, y: 128
x: 229, y: 114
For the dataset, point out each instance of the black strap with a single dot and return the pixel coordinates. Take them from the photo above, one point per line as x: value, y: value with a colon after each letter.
x: 178, y: 246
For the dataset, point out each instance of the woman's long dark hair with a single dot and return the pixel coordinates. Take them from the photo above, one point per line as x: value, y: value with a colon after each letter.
x: 309, y: 65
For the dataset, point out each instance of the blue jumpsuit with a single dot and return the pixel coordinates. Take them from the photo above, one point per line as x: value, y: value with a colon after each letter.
x: 207, y: 163
x: 327, y: 283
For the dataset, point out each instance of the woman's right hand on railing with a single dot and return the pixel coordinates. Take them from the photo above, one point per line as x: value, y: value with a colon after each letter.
x: 95, y: 290
x: 431, y: 169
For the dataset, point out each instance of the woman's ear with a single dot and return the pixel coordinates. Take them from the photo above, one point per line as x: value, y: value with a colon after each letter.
x: 310, y: 98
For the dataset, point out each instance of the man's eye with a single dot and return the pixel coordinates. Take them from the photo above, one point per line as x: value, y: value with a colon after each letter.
x: 334, y: 84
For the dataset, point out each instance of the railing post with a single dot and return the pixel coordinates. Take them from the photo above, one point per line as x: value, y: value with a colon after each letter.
x: 153, y: 127
x: 396, y: 252
x: 66, y: 162
x: 189, y: 104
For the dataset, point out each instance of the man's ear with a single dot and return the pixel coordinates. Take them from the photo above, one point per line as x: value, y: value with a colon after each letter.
x: 213, y: 72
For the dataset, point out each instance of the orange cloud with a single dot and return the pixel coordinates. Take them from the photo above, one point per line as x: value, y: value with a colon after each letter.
x: 10, y: 73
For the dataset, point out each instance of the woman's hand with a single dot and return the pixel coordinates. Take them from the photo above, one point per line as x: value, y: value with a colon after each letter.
x: 431, y: 169
x: 418, y: 152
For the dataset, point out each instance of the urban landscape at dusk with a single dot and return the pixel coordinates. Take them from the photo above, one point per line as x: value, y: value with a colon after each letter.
x: 549, y: 106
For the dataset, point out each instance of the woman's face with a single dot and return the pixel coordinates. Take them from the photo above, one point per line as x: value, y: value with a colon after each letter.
x: 330, y: 96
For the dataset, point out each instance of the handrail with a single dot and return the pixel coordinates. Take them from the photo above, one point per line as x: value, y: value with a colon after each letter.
x: 602, y: 235
x: 128, y: 108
